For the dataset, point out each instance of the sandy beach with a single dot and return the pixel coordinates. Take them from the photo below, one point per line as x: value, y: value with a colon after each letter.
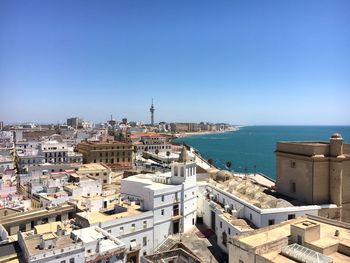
x: 187, y: 134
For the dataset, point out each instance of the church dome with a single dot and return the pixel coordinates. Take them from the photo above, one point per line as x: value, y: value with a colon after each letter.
x: 223, y: 175
x: 336, y: 136
x: 183, y: 158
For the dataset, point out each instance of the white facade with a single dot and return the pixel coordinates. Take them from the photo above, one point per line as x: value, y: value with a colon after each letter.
x: 85, y: 187
x: 135, y: 229
x: 218, y: 208
x: 47, y: 248
x: 171, y: 196
x: 100, y: 246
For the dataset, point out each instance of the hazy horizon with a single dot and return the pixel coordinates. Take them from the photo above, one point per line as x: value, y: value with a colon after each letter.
x: 240, y: 62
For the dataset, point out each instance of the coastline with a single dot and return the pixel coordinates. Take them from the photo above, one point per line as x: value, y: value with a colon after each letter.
x: 188, y: 134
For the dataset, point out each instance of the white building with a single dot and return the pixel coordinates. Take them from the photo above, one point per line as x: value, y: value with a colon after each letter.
x: 85, y: 187
x: 50, y: 248
x: 154, y: 207
x: 239, y: 205
x: 126, y: 221
x: 171, y: 196
x: 100, y: 246
x: 53, y: 151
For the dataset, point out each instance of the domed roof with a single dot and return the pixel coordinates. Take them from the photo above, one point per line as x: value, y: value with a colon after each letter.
x: 336, y: 136
x: 223, y: 175
x: 183, y: 158
x: 56, y: 137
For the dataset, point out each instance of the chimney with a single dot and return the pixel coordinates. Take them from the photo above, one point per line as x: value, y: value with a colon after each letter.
x: 42, y: 242
x: 59, y: 231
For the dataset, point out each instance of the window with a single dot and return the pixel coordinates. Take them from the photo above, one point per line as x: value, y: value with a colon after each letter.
x: 291, y: 216
x: 220, y: 224
x: 89, y: 251
x: 144, y: 241
x: 224, y: 239
x: 145, y: 224
x: 71, y: 260
x: 293, y: 187
x: 144, y: 253
x: 240, y: 261
x: 162, y: 198
x: 162, y: 212
x: 292, y: 164
x: 229, y: 231
x: 192, y: 221
x: 250, y: 217
x: 271, y: 222
x: 132, y: 227
x: 63, y: 261
x: 105, y: 181
x: 121, y: 229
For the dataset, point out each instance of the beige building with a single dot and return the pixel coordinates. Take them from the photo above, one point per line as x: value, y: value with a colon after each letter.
x: 115, y: 154
x: 316, y: 173
x: 96, y: 170
x: 305, y: 239
x: 26, y: 221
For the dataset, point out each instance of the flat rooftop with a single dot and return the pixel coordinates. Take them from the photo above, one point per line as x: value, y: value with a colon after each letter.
x: 32, y: 242
x: 272, y: 234
x: 147, y: 180
x: 92, y: 166
x: 91, y: 234
x: 98, y: 216
x: 39, y: 212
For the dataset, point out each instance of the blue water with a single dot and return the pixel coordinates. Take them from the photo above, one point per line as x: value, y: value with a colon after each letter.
x: 255, y: 145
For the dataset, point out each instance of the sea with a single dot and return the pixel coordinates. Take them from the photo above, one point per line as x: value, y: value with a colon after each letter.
x: 251, y: 148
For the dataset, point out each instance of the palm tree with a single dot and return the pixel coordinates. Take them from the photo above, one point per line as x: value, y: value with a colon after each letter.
x: 229, y: 164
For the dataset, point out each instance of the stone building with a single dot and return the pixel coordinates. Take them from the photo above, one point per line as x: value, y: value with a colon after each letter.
x: 316, y: 173
x: 116, y: 154
x: 305, y: 239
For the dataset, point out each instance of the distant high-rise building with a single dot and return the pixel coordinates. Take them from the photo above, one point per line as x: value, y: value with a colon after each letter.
x: 74, y: 122
x: 152, y: 109
x: 1, y: 125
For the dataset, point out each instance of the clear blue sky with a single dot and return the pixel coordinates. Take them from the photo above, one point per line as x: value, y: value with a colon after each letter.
x: 244, y: 62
